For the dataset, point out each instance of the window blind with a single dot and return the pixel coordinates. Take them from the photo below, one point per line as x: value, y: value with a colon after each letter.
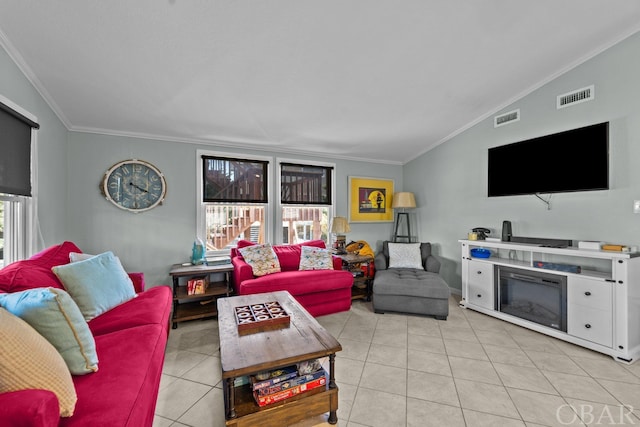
x: 15, y: 149
x: 234, y: 180
x: 305, y: 184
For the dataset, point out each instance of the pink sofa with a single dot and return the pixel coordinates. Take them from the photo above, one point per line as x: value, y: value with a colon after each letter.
x: 130, y: 343
x: 320, y: 292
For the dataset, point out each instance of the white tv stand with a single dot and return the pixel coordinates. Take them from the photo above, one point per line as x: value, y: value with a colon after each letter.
x: 603, y: 300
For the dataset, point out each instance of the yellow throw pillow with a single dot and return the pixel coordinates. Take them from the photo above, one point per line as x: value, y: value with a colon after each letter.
x: 55, y: 316
x: 29, y: 361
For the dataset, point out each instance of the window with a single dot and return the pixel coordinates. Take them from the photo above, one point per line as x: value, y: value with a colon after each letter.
x: 235, y: 200
x: 17, y: 139
x: 306, y: 201
x: 13, y: 228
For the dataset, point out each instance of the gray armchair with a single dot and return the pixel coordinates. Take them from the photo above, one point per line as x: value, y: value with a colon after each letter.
x: 410, y: 290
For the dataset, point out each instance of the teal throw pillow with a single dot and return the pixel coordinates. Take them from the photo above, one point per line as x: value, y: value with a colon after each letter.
x: 96, y: 284
x: 58, y: 319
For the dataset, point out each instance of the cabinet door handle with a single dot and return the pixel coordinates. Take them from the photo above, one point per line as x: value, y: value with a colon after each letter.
x: 587, y: 293
x: 479, y: 272
x: 588, y: 326
x: 479, y: 295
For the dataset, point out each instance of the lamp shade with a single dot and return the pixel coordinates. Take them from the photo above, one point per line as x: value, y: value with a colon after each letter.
x: 403, y: 200
x: 339, y: 225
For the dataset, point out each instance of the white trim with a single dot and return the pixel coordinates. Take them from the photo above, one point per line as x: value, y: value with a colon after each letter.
x: 10, y: 198
x: 9, y: 103
x: 226, y: 142
x: 17, y: 58
x: 32, y: 226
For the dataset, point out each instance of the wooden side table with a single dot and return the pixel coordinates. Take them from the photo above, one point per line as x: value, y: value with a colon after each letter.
x: 362, y: 279
x: 190, y: 307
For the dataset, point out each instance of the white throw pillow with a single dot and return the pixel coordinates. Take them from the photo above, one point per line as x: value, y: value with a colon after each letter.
x: 405, y: 255
x: 78, y: 256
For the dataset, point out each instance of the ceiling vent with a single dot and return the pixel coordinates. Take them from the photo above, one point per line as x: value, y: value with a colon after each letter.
x: 506, y: 118
x: 576, y: 97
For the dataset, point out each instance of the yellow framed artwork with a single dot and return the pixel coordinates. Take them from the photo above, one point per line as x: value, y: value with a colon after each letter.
x: 370, y: 199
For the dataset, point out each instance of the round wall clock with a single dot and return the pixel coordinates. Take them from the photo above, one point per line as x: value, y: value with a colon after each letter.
x: 134, y: 185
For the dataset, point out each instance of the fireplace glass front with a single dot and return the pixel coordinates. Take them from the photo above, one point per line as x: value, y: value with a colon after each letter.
x: 535, y: 296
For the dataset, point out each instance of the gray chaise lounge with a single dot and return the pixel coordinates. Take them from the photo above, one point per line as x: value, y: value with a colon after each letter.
x: 410, y: 290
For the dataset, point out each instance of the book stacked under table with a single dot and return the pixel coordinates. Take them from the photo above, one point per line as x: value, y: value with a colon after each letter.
x: 280, y: 384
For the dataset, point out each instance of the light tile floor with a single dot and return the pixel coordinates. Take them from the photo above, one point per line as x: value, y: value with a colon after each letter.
x: 398, y: 370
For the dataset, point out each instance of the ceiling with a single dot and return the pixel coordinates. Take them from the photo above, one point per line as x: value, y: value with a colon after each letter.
x: 379, y: 80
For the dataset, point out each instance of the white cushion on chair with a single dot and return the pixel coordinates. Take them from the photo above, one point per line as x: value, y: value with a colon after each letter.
x: 405, y: 255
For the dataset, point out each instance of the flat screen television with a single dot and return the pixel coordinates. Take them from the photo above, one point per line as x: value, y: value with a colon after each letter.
x: 574, y: 160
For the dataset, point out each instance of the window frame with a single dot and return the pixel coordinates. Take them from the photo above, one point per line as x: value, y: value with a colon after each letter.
x: 22, y: 209
x: 201, y: 204
x: 16, y: 228
x: 279, y: 229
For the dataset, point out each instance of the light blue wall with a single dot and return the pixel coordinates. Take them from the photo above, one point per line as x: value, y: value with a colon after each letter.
x: 450, y: 181
x: 151, y: 241
x: 51, y: 154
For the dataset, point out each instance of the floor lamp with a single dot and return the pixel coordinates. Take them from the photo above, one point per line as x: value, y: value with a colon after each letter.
x: 403, y: 200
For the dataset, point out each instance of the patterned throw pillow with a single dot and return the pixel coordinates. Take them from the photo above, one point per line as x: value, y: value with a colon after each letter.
x: 312, y: 258
x: 262, y: 259
x: 29, y: 361
x: 405, y: 255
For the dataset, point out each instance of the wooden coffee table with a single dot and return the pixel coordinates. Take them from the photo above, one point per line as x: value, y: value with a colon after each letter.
x: 304, y: 339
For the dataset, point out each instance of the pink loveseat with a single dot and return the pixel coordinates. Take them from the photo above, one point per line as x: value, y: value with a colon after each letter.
x: 320, y: 292
x: 130, y: 342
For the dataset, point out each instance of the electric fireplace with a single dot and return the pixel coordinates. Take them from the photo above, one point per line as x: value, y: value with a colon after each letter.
x: 535, y: 296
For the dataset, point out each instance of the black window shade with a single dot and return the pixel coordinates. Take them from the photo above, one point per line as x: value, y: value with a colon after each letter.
x: 234, y: 180
x: 305, y: 184
x: 15, y: 149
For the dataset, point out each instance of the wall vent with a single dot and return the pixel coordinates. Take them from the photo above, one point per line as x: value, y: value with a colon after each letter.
x: 576, y: 97
x: 506, y: 118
